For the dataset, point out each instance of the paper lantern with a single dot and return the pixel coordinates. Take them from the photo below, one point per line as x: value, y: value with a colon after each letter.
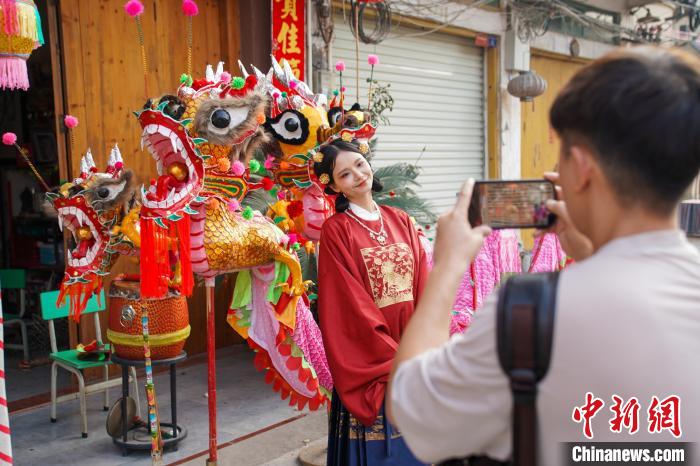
x: 20, y: 34
x: 527, y: 86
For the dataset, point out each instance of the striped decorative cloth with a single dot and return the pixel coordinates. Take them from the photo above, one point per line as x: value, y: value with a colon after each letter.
x: 5, y: 441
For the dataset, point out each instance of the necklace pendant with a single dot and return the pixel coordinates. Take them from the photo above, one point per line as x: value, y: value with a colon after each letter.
x: 381, y: 239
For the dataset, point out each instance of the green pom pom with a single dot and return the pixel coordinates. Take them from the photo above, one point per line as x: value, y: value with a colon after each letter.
x: 335, y: 92
x: 254, y: 166
x: 296, y: 246
x: 238, y: 82
x: 186, y: 79
x: 284, y: 95
x: 248, y: 213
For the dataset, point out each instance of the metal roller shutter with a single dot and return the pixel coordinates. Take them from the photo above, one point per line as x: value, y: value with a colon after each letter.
x: 437, y: 82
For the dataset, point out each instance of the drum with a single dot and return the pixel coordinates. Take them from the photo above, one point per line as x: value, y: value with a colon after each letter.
x: 168, y: 322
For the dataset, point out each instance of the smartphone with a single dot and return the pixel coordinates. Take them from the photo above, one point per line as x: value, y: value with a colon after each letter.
x: 512, y: 204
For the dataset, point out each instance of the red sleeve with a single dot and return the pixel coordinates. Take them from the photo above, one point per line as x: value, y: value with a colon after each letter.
x: 355, y: 333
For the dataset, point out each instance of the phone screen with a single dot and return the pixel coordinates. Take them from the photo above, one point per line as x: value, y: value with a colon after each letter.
x: 512, y: 204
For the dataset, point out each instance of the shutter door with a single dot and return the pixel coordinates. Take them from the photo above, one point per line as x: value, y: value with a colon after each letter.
x: 437, y: 82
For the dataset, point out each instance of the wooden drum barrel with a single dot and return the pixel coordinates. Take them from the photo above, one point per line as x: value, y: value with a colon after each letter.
x: 168, y: 322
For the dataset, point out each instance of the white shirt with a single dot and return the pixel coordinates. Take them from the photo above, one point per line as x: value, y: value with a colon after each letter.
x: 627, y: 323
x: 365, y: 214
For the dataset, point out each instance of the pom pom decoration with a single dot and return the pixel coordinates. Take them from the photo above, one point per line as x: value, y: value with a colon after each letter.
x: 70, y: 121
x: 372, y: 59
x: 268, y: 184
x: 133, y: 8
x: 225, y: 77
x: 293, y: 85
x: 238, y: 168
x: 343, y: 89
x: 234, y: 205
x: 340, y: 66
x: 254, y: 165
x: 238, y: 82
x: 295, y: 209
x: 248, y: 213
x: 190, y: 8
x: 269, y: 162
x: 9, y: 139
x: 336, y: 92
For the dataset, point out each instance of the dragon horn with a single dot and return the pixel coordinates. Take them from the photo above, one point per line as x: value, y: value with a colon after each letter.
x: 219, y: 71
x: 279, y: 72
x: 90, y: 161
x: 112, y: 160
x: 244, y: 72
x: 117, y: 153
x: 209, y: 74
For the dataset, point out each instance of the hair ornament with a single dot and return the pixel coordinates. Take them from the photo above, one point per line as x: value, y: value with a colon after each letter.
x: 364, y: 148
x: 324, y: 178
x: 318, y: 157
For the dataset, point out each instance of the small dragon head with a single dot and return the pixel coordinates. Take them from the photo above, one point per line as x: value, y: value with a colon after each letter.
x: 92, y: 207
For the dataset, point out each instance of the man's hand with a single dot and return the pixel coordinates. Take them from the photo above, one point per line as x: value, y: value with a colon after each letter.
x: 575, y: 243
x: 456, y: 242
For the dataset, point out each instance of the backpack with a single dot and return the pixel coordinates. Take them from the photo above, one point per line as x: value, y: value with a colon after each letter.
x: 524, y: 334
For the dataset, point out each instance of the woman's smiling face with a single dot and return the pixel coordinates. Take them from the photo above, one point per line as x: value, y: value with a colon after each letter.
x: 352, y: 175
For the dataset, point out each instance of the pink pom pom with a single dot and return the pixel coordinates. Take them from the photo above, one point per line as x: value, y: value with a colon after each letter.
x: 276, y: 95
x: 226, y: 77
x: 70, y: 121
x: 269, y: 161
x: 372, y: 59
x: 118, y: 166
x: 9, y: 139
x: 133, y: 8
x: 190, y: 8
x: 340, y: 66
x: 234, y: 205
x: 293, y: 85
x: 292, y: 237
x: 280, y: 195
x: 238, y: 168
x: 343, y: 89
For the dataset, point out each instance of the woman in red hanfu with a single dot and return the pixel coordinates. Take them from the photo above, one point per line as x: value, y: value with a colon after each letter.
x: 371, y: 273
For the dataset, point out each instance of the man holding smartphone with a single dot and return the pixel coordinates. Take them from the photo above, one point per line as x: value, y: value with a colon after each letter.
x: 624, y: 365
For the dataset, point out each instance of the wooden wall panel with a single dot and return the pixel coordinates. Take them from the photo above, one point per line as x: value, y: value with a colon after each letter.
x: 539, y: 145
x: 103, y: 79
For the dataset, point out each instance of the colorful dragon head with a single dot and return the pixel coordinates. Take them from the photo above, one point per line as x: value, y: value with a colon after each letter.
x: 299, y: 121
x: 92, y: 207
x: 195, y: 137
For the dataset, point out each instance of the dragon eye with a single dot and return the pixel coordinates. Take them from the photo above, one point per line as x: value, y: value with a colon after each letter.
x: 108, y: 192
x: 175, y: 108
x: 334, y: 115
x: 290, y: 127
x: 222, y: 120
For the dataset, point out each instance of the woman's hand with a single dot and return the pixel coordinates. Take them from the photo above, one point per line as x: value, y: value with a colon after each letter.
x: 456, y: 242
x: 575, y: 243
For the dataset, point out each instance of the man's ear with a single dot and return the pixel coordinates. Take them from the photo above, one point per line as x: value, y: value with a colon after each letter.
x: 583, y: 165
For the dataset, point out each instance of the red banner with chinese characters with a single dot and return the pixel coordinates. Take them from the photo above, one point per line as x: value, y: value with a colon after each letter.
x: 288, y: 34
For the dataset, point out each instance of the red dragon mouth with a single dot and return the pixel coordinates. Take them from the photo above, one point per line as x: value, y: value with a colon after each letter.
x: 90, y: 241
x: 180, y: 169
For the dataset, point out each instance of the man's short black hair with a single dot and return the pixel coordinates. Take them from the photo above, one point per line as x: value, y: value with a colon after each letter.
x: 638, y: 110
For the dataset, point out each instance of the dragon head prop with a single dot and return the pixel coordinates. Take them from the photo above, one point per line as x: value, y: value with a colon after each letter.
x: 196, y: 136
x: 92, y: 207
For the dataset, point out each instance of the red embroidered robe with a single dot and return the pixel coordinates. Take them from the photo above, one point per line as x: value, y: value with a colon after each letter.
x: 367, y: 294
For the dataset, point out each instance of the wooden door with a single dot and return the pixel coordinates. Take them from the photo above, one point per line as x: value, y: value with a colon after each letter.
x: 104, y: 83
x: 539, y: 147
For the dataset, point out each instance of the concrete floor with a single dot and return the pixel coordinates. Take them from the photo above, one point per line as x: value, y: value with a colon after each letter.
x: 246, y: 405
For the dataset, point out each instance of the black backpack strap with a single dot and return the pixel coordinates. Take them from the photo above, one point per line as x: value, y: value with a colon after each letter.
x: 525, y: 324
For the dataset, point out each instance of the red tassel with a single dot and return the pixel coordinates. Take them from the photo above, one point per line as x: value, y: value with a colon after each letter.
x: 183, y: 233
x: 155, y: 266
